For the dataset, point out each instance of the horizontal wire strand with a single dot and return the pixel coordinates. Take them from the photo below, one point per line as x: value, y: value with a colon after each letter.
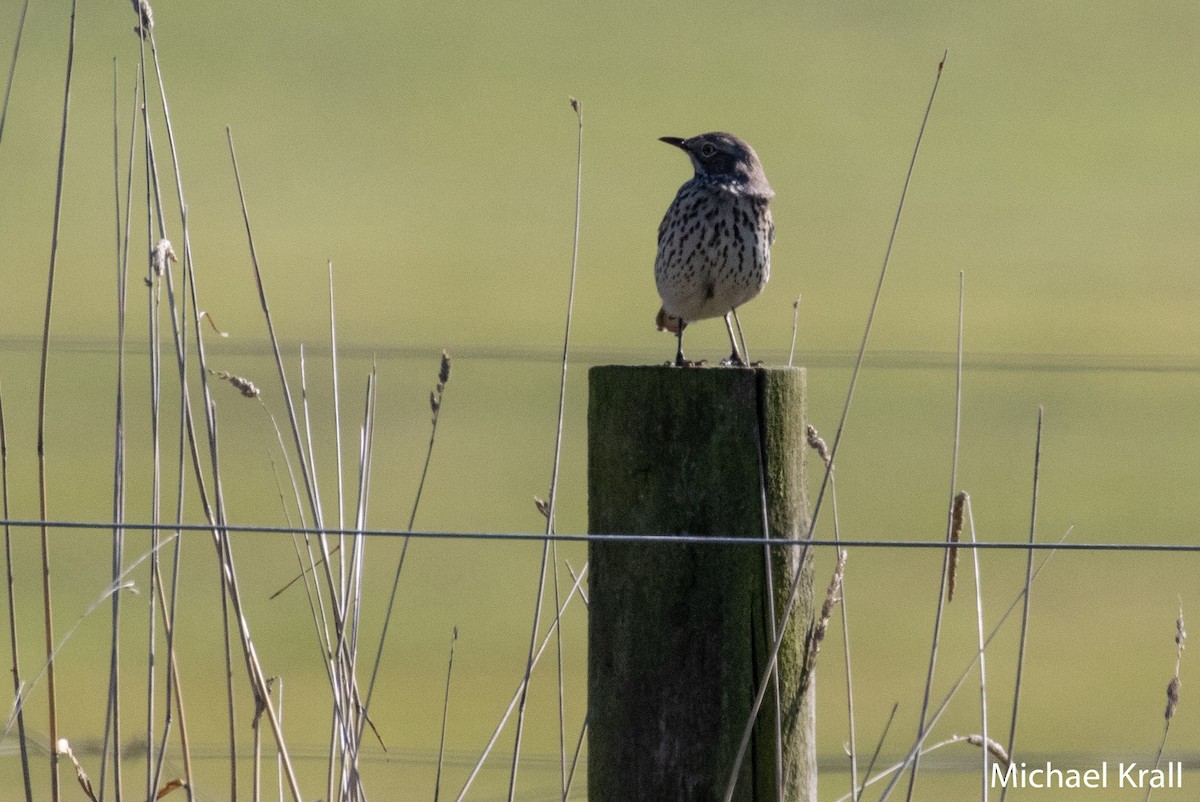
x: 668, y: 539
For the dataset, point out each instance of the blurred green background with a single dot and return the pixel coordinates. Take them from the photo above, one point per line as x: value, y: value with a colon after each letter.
x: 428, y: 150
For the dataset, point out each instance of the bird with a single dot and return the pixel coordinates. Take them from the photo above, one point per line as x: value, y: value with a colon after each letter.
x: 714, y: 242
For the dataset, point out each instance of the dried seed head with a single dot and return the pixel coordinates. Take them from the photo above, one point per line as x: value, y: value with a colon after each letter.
x: 833, y: 595
x: 542, y: 507
x: 1172, y: 698
x: 244, y: 386
x: 997, y: 751
x: 956, y: 515
x: 145, y: 18
x: 956, y: 524
x: 444, y: 371
x: 435, y: 401
x: 817, y: 444
x: 64, y: 748
x: 159, y: 256
x: 1180, y: 632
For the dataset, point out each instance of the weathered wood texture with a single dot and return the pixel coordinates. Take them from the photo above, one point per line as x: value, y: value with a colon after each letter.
x: 679, y: 633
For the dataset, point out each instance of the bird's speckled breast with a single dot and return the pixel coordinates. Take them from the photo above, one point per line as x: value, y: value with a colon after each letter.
x: 713, y: 249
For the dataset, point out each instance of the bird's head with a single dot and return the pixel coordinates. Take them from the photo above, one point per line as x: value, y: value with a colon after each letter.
x: 727, y: 158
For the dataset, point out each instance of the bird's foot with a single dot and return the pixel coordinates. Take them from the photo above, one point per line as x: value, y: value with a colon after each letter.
x: 682, y: 362
x: 734, y: 360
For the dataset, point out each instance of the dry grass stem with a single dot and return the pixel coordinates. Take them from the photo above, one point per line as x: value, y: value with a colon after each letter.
x: 18, y: 684
x: 795, y: 328
x: 435, y: 403
x: 1172, y: 691
x: 794, y: 591
x: 63, y: 747
x: 857, y: 791
x: 12, y: 68
x: 213, y: 324
x: 47, y: 607
x: 168, y: 787
x: 1029, y: 574
x: 962, y: 677
x: 895, y: 769
x: 524, y: 684
x: 437, y: 782
x: 549, y: 548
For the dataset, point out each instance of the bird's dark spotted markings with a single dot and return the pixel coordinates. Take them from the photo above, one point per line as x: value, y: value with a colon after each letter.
x: 713, y: 243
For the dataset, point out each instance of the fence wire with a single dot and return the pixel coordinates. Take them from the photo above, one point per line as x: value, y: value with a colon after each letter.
x: 666, y: 539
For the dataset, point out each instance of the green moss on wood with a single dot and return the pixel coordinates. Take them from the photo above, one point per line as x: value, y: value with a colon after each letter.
x: 678, y: 633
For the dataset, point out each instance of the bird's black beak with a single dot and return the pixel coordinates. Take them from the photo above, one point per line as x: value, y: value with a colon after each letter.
x: 673, y: 140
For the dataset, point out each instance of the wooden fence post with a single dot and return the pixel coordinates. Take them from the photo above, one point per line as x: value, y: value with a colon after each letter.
x: 679, y: 634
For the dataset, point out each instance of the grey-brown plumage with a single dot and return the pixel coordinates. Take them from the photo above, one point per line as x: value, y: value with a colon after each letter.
x: 714, y: 243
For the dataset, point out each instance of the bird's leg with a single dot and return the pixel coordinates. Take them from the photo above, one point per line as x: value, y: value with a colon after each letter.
x: 680, y: 362
x: 735, y: 358
x: 741, y: 336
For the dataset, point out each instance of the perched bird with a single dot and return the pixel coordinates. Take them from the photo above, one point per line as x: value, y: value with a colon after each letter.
x: 714, y: 243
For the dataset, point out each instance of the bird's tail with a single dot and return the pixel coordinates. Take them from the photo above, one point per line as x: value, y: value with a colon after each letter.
x: 666, y: 322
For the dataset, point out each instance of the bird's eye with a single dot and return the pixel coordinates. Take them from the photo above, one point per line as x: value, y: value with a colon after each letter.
x: 708, y: 151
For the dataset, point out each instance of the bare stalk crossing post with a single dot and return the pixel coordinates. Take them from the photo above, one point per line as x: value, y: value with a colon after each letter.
x: 680, y: 634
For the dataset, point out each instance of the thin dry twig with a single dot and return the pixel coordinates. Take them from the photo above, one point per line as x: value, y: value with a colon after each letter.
x: 815, y: 442
x: 12, y: 610
x: 856, y: 790
x: 435, y: 405
x: 437, y: 781
x: 950, y: 558
x: 12, y: 69
x: 63, y: 747
x: 795, y: 329
x: 1172, y: 692
x: 894, y: 770
x: 962, y: 677
x: 521, y: 688
x: 254, y: 669
x: 550, y: 548
x: 794, y: 591
x: 1037, y: 463
x: 983, y: 699
x: 47, y: 607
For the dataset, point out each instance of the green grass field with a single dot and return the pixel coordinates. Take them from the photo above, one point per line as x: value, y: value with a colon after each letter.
x: 428, y: 150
